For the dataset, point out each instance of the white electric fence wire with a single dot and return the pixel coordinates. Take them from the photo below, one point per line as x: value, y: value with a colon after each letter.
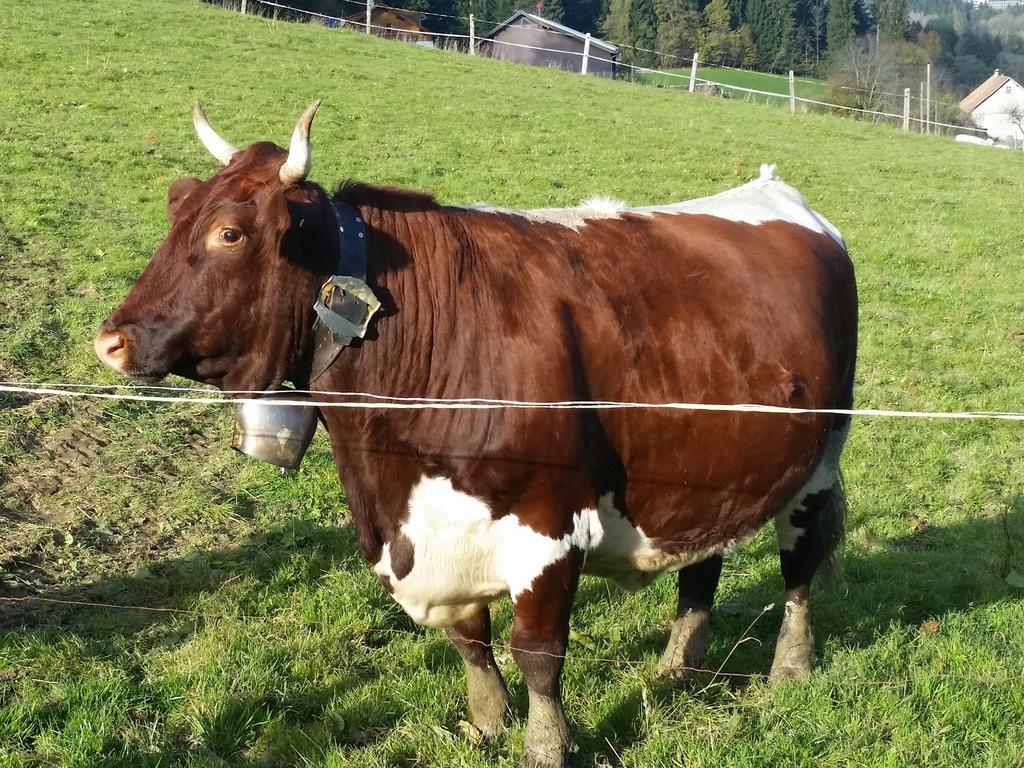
x: 372, y: 401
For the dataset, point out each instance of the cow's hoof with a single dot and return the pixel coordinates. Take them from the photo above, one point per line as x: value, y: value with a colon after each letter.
x: 792, y: 661
x: 545, y: 758
x: 685, y: 653
x: 676, y: 667
x: 794, y: 650
x: 490, y: 708
x: 784, y: 674
x: 491, y: 729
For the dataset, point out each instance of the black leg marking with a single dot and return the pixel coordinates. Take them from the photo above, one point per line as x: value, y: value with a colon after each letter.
x: 794, y: 651
x: 687, y: 645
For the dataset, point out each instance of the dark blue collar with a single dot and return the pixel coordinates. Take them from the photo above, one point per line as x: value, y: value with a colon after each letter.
x: 351, y: 240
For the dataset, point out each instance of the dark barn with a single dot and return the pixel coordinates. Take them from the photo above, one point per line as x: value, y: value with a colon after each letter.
x: 392, y: 23
x: 529, y: 39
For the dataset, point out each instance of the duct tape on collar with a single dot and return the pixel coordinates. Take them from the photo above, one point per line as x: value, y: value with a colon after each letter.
x: 345, y: 304
x: 344, y: 309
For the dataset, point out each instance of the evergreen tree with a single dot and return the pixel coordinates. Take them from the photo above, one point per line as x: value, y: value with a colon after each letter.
x: 643, y: 31
x: 841, y: 24
x: 714, y: 40
x: 584, y: 15
x: 865, y: 21
x: 679, y: 23
x: 736, y: 11
x: 773, y: 25
x: 817, y: 14
x: 760, y: 18
x: 717, y: 15
x: 615, y: 26
x: 892, y: 19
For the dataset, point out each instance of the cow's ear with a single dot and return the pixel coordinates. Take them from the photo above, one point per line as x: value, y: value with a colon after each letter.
x: 303, y: 195
x: 176, y: 195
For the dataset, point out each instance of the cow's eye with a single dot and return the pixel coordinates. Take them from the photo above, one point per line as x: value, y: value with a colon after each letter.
x: 230, y: 236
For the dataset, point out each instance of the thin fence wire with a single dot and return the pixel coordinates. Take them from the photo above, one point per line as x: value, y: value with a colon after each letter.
x: 376, y: 401
x: 482, y: 40
x: 502, y: 646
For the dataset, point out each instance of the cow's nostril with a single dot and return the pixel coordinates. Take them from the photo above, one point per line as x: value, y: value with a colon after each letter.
x: 112, y: 348
x: 116, y: 346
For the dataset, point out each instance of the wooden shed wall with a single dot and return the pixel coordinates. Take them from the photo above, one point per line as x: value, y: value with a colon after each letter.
x: 568, y: 54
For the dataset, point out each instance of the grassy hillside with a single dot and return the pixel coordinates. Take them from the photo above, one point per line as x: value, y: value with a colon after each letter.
x: 275, y: 645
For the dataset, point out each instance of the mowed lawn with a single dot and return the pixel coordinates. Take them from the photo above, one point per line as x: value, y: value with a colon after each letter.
x: 806, y: 87
x: 274, y: 645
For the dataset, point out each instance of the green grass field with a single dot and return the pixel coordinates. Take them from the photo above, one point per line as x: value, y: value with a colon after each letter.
x: 806, y: 87
x: 276, y: 645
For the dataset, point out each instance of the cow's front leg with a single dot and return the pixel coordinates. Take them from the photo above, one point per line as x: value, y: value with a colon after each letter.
x: 539, y: 638
x: 688, y: 643
x: 489, y: 703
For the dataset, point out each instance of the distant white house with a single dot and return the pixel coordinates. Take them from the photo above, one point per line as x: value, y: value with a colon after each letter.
x: 989, y: 106
x: 997, y: 5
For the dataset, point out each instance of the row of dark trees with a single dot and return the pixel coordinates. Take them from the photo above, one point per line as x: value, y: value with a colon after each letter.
x: 772, y: 35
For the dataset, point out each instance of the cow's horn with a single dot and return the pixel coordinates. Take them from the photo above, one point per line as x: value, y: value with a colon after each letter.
x: 300, y: 157
x: 217, y: 147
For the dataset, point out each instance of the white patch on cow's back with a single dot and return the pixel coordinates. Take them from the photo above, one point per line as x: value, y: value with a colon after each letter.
x: 625, y: 554
x: 592, y: 208
x: 825, y: 476
x: 766, y: 198
x: 464, y: 558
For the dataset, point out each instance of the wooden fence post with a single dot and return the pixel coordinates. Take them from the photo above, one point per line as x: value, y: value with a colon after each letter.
x: 472, y: 35
x: 586, y: 54
x: 369, y: 6
x: 928, y: 100
x: 906, y: 109
x: 792, y: 92
x: 693, y: 70
x: 920, y: 106
x: 244, y: 4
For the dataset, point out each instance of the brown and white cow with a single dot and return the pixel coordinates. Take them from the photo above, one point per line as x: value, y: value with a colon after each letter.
x: 744, y: 297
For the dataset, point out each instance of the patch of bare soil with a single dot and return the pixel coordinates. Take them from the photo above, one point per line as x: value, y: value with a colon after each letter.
x: 58, y: 526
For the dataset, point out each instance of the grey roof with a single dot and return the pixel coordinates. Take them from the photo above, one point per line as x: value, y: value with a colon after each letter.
x: 554, y: 26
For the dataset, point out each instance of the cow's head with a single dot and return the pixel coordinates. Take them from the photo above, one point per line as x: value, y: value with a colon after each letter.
x: 227, y: 297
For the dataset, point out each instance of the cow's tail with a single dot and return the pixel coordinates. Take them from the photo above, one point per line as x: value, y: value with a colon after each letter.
x: 833, y: 529
x: 833, y: 514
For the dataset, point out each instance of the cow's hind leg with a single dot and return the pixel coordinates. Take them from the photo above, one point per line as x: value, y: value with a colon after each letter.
x: 687, y: 645
x: 489, y: 703
x: 539, y: 638
x: 808, y: 533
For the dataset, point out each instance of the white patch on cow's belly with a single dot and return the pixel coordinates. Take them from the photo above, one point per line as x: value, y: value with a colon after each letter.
x: 825, y: 476
x: 623, y: 553
x: 464, y: 558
